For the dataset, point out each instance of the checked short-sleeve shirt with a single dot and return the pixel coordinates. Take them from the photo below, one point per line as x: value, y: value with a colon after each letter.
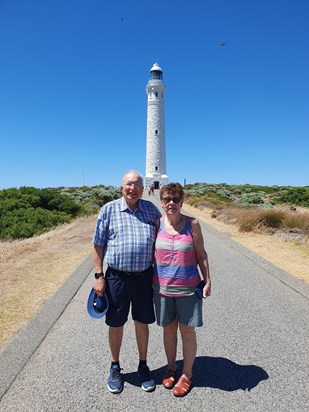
x: 127, y: 237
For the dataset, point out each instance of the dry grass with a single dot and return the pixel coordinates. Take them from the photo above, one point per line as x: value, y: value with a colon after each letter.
x: 32, y: 270
x: 284, y: 249
x: 274, y: 221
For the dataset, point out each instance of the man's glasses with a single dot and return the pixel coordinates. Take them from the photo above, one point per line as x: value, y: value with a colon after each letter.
x: 167, y: 200
x: 136, y: 185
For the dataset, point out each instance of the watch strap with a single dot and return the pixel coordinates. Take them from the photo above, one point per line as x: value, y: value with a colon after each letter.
x: 99, y: 275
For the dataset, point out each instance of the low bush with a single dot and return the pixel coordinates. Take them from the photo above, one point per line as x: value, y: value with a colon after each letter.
x: 209, y: 199
x: 28, y: 211
x: 24, y: 223
x: 252, y: 195
x: 252, y: 200
x: 298, y: 196
x: 97, y: 195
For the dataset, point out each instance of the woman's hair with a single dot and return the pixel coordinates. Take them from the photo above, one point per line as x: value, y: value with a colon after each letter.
x: 172, y: 189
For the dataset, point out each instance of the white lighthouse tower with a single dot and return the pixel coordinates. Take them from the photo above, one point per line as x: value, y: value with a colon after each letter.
x: 155, y: 145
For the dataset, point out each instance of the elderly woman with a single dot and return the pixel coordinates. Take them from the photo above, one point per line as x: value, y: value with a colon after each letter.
x: 179, y: 252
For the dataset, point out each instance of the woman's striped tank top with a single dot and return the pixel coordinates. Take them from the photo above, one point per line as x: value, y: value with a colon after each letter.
x: 175, y: 272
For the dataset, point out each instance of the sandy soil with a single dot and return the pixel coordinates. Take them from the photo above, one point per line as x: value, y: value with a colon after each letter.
x: 32, y: 270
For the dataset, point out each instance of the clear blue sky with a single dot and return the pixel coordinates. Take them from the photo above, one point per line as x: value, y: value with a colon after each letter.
x: 73, y: 102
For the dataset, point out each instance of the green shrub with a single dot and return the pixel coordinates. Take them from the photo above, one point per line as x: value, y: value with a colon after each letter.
x: 64, y: 204
x: 298, y: 196
x: 28, y: 211
x: 98, y: 195
x: 210, y: 199
x: 24, y: 223
x: 252, y: 199
x: 250, y: 195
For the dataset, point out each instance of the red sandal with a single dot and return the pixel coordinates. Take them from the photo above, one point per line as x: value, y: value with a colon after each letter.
x: 182, y: 387
x: 169, y: 379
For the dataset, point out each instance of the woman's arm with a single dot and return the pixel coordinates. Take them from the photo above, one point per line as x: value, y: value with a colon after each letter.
x: 201, y: 256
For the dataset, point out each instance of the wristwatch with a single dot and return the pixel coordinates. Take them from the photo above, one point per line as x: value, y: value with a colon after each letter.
x: 99, y: 275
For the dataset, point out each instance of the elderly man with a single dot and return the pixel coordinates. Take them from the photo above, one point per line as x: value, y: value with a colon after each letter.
x: 125, y: 236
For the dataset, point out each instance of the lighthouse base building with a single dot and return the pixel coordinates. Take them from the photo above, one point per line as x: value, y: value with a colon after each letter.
x: 155, y: 144
x: 155, y: 179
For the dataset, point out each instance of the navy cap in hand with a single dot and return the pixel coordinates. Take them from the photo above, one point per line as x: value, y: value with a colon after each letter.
x: 97, y: 306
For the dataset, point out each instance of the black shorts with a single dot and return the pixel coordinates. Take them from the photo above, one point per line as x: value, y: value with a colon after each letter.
x: 124, y: 290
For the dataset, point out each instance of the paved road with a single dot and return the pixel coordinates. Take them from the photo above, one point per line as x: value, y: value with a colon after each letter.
x: 252, y: 350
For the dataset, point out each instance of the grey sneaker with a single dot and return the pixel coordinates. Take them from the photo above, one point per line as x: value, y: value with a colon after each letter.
x: 147, y: 384
x: 114, y: 383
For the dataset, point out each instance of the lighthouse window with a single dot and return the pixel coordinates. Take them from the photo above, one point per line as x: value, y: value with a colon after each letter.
x: 156, y: 168
x: 156, y: 94
x: 156, y: 131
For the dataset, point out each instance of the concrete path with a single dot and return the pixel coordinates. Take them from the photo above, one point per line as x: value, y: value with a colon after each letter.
x: 252, y: 350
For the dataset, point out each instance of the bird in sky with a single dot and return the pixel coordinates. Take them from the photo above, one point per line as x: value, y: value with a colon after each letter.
x: 222, y: 44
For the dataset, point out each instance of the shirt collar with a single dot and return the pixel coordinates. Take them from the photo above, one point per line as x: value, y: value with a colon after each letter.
x: 124, y: 206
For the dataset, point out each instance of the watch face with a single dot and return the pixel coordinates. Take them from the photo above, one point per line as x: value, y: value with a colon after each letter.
x: 98, y: 275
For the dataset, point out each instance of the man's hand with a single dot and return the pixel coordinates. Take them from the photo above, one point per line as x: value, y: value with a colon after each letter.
x: 99, y: 286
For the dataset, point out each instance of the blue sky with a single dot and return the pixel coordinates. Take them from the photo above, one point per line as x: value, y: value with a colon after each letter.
x: 73, y: 102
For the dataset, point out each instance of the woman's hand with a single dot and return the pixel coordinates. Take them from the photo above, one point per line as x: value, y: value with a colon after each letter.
x: 207, y: 288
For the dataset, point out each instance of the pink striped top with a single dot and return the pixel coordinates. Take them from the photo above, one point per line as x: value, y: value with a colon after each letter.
x: 175, y: 271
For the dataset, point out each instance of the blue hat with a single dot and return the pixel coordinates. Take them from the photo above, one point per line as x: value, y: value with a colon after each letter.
x: 97, y: 306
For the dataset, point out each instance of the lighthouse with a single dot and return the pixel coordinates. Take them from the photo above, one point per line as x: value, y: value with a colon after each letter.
x: 155, y: 144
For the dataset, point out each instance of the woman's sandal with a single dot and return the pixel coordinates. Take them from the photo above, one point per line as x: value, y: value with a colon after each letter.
x: 182, y: 387
x: 169, y: 379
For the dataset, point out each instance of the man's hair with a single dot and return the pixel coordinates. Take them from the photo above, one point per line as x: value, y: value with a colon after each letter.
x: 135, y: 172
x: 172, y: 189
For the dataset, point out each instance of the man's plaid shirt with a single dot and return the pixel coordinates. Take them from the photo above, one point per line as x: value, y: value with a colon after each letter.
x: 127, y: 237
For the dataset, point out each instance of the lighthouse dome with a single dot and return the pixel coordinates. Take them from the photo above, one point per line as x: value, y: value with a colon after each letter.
x: 156, y: 68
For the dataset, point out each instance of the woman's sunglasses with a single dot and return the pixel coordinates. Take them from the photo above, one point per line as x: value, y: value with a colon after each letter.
x: 167, y: 200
